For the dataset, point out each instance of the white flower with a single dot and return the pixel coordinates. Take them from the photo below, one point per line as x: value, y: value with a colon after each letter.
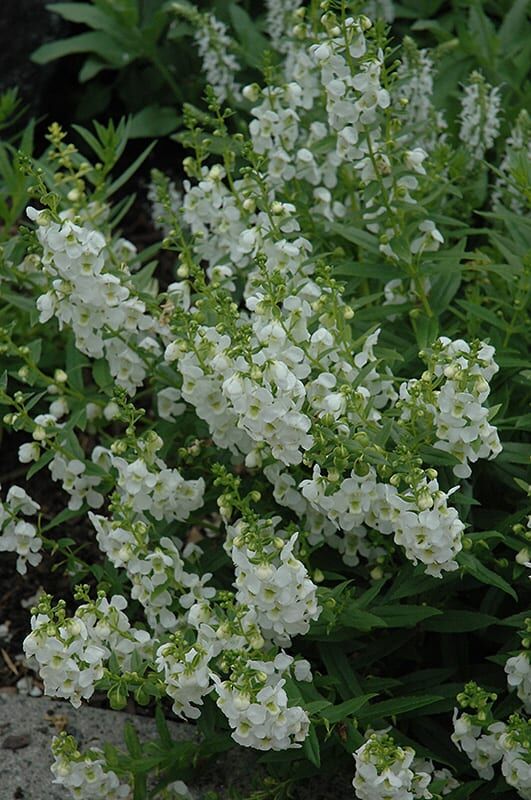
x: 260, y: 716
x: 383, y: 771
x: 518, y: 669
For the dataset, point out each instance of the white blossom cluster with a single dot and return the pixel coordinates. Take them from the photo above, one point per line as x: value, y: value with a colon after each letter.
x: 415, y: 90
x: 508, y: 743
x: 107, y: 319
x: 509, y: 188
x: 384, y: 771
x: 74, y: 480
x: 258, y: 342
x: 71, y: 652
x: 480, y: 116
x: 279, y: 20
x: 148, y: 485
x: 186, y: 675
x: 17, y: 535
x: 256, y: 705
x: 87, y: 776
x: 156, y: 571
x: 518, y: 670
x: 271, y: 580
x: 429, y: 530
x: 220, y: 65
x: 457, y: 405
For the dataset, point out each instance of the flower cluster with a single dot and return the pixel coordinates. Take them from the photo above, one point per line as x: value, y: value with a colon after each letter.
x: 480, y: 116
x: 216, y: 50
x: 107, y: 319
x: 487, y: 743
x: 452, y: 393
x: 86, y: 775
x: 186, y: 675
x: 383, y: 770
x: 17, y: 535
x: 253, y: 441
x: 271, y: 580
x: 510, y: 186
x: 72, y: 651
x: 256, y: 705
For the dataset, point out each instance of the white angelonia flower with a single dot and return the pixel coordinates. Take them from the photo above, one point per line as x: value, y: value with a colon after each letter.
x: 71, y: 652
x: 149, y: 485
x: 483, y: 750
x: 219, y: 64
x: 85, y: 776
x: 383, y: 771
x: 518, y: 669
x: 507, y: 742
x: 256, y: 705
x: 480, y: 116
x: 74, y: 480
x: 279, y: 21
x: 167, y: 405
x: 86, y: 297
x: 186, y: 675
x: 274, y: 583
x: 429, y: 240
x: 415, y: 91
x: 510, y: 188
x: 17, y: 535
x: 515, y: 767
x: 457, y: 408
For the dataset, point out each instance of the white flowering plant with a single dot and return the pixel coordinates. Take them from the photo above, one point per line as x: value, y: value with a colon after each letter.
x: 294, y: 495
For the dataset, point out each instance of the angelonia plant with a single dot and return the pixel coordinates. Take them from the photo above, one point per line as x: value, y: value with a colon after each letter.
x: 298, y: 464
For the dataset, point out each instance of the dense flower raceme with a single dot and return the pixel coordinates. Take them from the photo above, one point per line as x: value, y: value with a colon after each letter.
x: 488, y: 743
x: 383, y: 769
x: 107, y: 319
x: 87, y: 775
x: 17, y: 535
x: 72, y: 651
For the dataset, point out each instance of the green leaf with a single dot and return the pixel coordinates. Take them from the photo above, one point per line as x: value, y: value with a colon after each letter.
x: 64, y: 516
x: 153, y: 121
x: 356, y: 236
x: 426, y: 330
x: 405, y: 616
x: 480, y: 572
x: 84, y: 13
x: 38, y: 465
x: 460, y: 621
x: 102, y: 375
x: 92, y: 42
x: 347, y: 709
x: 397, y: 706
x: 75, y: 362
x: 253, y: 43
x: 130, y: 171
x: 339, y: 667
x: 514, y: 23
x: 475, y: 310
x: 131, y: 739
x: 311, y: 747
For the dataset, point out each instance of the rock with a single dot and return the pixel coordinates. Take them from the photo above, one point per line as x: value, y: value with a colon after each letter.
x: 16, y: 742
